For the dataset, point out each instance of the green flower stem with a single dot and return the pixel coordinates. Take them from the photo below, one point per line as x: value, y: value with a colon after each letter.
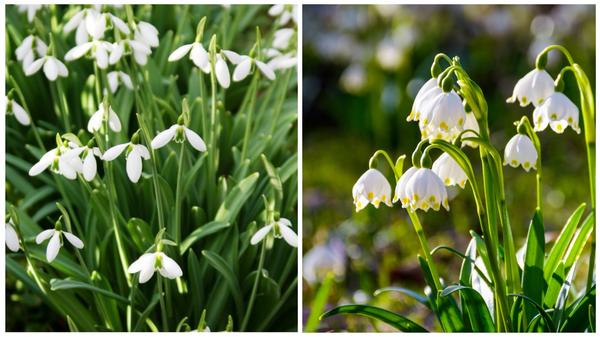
x: 389, y: 160
x: 536, y: 143
x: 31, y: 268
x: 254, y: 287
x: 425, y: 248
x: 213, y: 152
x: 163, y: 309
x: 176, y: 232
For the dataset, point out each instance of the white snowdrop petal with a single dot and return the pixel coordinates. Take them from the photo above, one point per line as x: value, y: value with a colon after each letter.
x: 117, y: 51
x: 12, y: 239
x: 44, y: 235
x: 285, y: 222
x: 170, y: 269
x: 75, y: 241
x: 73, y: 22
x: 95, y: 122
x: 78, y: 51
x: 40, y: 47
x: 134, y: 166
x: 101, y: 57
x: 222, y: 73
x: 276, y: 10
x: 113, y: 81
x: 24, y: 48
x: 114, y: 151
x: 113, y: 120
x: 147, y: 270
x: 126, y: 80
x: 163, y: 137
x: 120, y: 24
x: 289, y: 236
x: 43, y: 163
x: 195, y: 140
x: 140, y: 58
x: 266, y: 70
x: 53, y: 247
x: 142, y: 261
x: 81, y: 34
x: 66, y: 169
x: 139, y: 47
x: 199, y: 56
x: 142, y: 151
x: 242, y: 70
x: 62, y: 69
x: 232, y: 56
x: 260, y: 234
x: 20, y: 114
x: 180, y: 52
x: 89, y: 166
x: 35, y: 66
x: 51, y: 69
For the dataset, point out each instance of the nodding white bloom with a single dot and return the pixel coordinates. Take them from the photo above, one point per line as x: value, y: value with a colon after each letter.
x: 284, y: 61
x: 179, y: 133
x: 117, y: 77
x: 520, y: 151
x: 104, y: 112
x: 533, y: 88
x: 52, y: 67
x: 134, y: 154
x: 60, y: 160
x: 400, y: 190
x: 11, y: 237
x: 56, y: 241
x: 244, y: 64
x: 17, y: 110
x: 279, y: 229
x: 222, y: 72
x: 426, y: 190
x: 557, y: 111
x: 148, y: 263
x: 372, y: 187
x: 444, y: 118
x: 139, y: 50
x: 198, y: 54
x: 284, y: 13
x: 30, y: 10
x: 423, y: 100
x: 100, y: 51
x: 449, y: 171
x: 91, y: 23
x: 323, y: 259
x: 147, y: 34
x: 30, y: 48
x: 87, y: 154
x: 470, y: 124
x: 282, y: 37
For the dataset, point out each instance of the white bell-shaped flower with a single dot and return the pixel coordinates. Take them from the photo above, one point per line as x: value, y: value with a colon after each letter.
x: 147, y: 34
x: 178, y: 133
x: 470, y: 124
x: 279, y: 229
x: 117, y: 77
x: 100, y: 51
x: 282, y: 38
x: 372, y: 187
x: 134, y: 153
x: 284, y: 12
x: 149, y: 263
x: 449, y: 171
x: 59, y: 160
x: 52, y: 68
x: 426, y: 190
x: 31, y: 10
x: 424, y: 98
x: 198, y: 54
x: 56, y: 241
x: 104, y: 112
x: 12, y: 107
x: 400, y: 190
x: 282, y: 61
x: 222, y: 72
x: 533, y: 88
x: 557, y: 111
x: 445, y: 117
x: 11, y: 237
x: 520, y: 151
x: 139, y: 50
x: 87, y: 154
x: 31, y: 47
x: 242, y: 70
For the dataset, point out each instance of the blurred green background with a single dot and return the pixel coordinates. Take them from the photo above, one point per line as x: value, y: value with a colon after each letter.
x: 362, y: 67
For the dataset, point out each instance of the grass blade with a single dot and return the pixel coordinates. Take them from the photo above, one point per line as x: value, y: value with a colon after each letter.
x: 397, y: 321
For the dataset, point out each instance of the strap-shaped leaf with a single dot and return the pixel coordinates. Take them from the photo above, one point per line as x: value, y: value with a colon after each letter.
x: 57, y: 284
x: 474, y: 304
x: 533, y: 272
x: 562, y: 242
x: 578, y: 243
x: 236, y: 198
x: 397, y: 321
x: 539, y: 309
x: 225, y: 270
x: 578, y: 313
x: 201, y: 232
x: 420, y: 298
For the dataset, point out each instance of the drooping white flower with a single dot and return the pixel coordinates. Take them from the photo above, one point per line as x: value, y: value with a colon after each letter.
x: 12, y: 107
x: 323, y: 259
x: 31, y: 47
x: 520, y: 151
x: 198, y: 54
x: 147, y: 34
x: 11, y: 237
x: 104, y: 112
x: 134, y: 154
x: 56, y: 241
x: 222, y: 72
x: 117, y: 77
x: 99, y: 50
x: 139, y: 50
x: 149, y: 263
x: 283, y: 61
x: 89, y: 22
x: 279, y: 229
x: 426, y: 190
x: 30, y: 10
x: 178, y: 133
x: 87, y: 154
x: 282, y: 38
x: 244, y: 65
x: 557, y: 111
x: 470, y: 124
x: 372, y: 187
x: 449, y: 171
x: 533, y: 88
x: 284, y: 13
x: 444, y: 118
x: 60, y: 160
x: 424, y: 98
x: 400, y: 190
x: 52, y: 67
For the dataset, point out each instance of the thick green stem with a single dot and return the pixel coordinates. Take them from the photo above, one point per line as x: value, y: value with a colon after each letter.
x: 254, y: 287
x: 425, y: 248
x: 163, y: 309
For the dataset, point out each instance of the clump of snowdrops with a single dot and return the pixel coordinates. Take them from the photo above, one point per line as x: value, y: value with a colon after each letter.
x: 151, y: 165
x: 493, y: 291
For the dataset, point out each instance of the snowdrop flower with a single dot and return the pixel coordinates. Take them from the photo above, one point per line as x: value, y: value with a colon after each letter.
x: 28, y: 49
x: 424, y: 98
x: 148, y: 263
x: 117, y: 77
x: 60, y: 160
x: 279, y: 61
x: 471, y: 124
x: 134, y: 153
x: 449, y: 171
x: 282, y: 37
x: 12, y: 107
x: 444, y: 118
x: 198, y: 54
x: 179, y: 133
x: 11, y: 237
x: 323, y: 259
x: 104, y: 112
x: 284, y: 13
x: 372, y: 187
x: 90, y: 22
x: 534, y: 87
x: 244, y: 64
x: 30, y: 10
x: 222, y: 72
x: 520, y: 151
x: 426, y: 190
x: 52, y: 67
x: 557, y: 111
x: 99, y: 50
x: 400, y: 190
x: 88, y: 153
x: 55, y: 236
x: 139, y: 50
x: 147, y: 34
x: 280, y: 228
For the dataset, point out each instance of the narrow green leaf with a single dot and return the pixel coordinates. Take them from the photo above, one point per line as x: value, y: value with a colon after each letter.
x: 201, y: 232
x: 539, y: 309
x: 226, y: 272
x: 230, y: 208
x: 533, y: 272
x: 318, y: 303
x: 57, y: 284
x: 397, y: 321
x: 562, y: 242
x: 577, y: 313
x: 418, y: 297
x: 579, y: 242
x: 478, y: 313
